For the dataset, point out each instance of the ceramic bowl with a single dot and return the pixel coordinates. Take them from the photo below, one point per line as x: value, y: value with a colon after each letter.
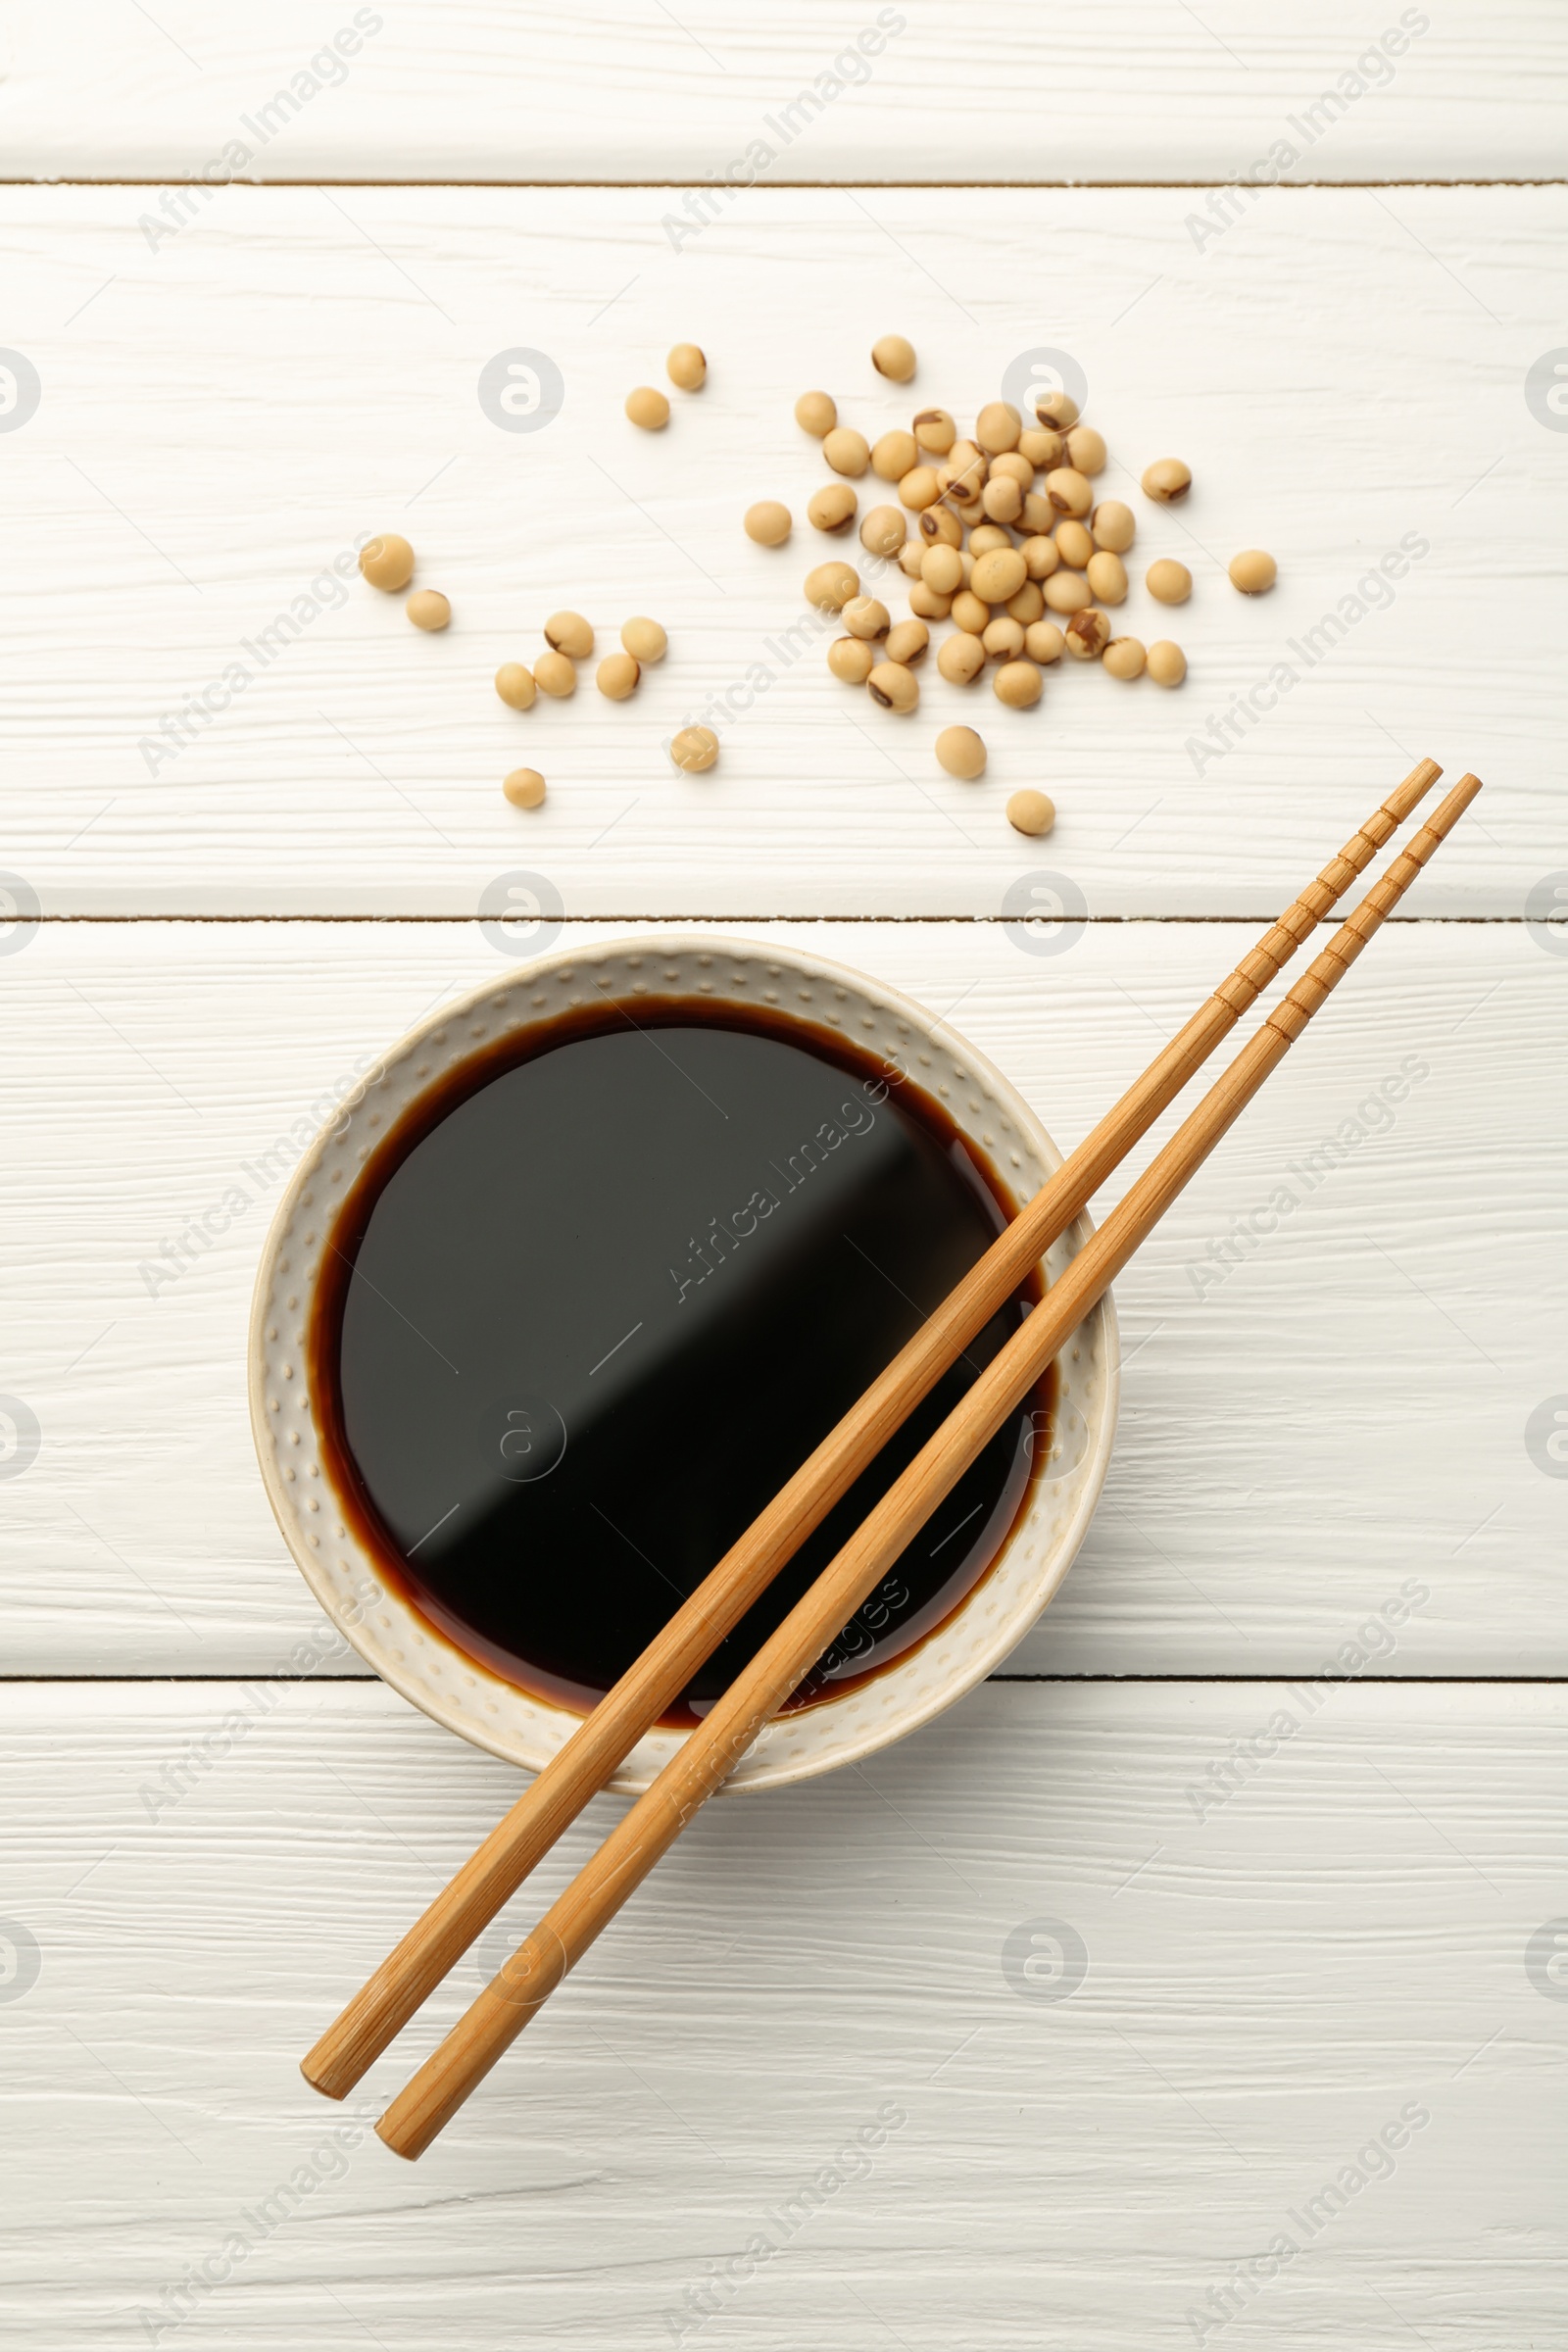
x: 389, y: 1631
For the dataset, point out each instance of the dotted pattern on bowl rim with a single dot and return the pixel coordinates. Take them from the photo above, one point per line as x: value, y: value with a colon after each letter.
x: 388, y: 1633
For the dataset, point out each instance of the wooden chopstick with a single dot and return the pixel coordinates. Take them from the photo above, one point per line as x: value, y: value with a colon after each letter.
x: 580, y: 1770
x: 712, y: 1750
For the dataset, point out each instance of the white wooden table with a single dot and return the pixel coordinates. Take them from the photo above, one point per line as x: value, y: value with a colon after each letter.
x: 1302, y: 2079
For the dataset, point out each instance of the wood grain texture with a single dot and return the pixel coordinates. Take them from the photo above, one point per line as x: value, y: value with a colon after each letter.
x: 624, y: 91
x: 225, y: 409
x: 1319, y: 1401
x: 1266, y: 1988
x: 223, y: 417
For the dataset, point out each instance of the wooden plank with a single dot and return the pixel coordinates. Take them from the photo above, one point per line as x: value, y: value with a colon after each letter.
x: 1336, y: 1951
x: 1320, y: 1402
x: 306, y: 370
x: 622, y: 91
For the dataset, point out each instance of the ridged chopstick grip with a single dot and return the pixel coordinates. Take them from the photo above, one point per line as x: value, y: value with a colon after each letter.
x: 650, y: 1687
x: 712, y: 1750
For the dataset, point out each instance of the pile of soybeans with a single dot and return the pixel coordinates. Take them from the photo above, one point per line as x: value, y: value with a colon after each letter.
x: 1001, y: 534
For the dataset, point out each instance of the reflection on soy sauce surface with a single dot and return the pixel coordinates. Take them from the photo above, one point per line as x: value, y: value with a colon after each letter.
x: 606, y: 1299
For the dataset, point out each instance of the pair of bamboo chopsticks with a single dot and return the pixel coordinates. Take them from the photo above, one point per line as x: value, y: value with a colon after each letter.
x: 432, y: 1946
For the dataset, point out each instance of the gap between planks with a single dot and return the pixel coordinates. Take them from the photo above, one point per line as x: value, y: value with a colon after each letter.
x: 1396, y: 1682
x: 997, y: 922
x: 1001, y: 187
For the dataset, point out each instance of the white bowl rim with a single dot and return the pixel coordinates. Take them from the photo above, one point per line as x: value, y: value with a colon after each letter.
x: 421, y: 1662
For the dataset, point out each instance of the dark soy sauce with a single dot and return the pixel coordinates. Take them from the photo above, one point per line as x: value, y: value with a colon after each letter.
x: 596, y: 1298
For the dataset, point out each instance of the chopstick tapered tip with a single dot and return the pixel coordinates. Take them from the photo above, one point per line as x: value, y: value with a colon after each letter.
x: 1417, y: 784
x: 1454, y: 803
x: 1424, y: 844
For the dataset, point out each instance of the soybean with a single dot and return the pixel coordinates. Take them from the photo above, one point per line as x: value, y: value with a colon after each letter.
x: 969, y: 613
x: 830, y: 586
x: 1251, y: 571
x: 892, y: 686
x: 908, y: 641
x: 770, y: 522
x: 1027, y: 605
x: 569, y: 634
x: 849, y: 658
x: 429, y: 609
x: 693, y: 749
x: 1168, y: 582
x: 832, y: 508
x: 1059, y: 410
x: 998, y: 574
x: 1087, y: 634
x: 687, y: 367
x: 1041, y: 556
x: 1167, y: 664
x: 524, y: 788
x: 867, y: 616
x: 893, y: 456
x: 1069, y: 491
x: 1044, y: 643
x: 1113, y: 526
x: 929, y: 604
x: 1074, y: 544
x: 1018, y: 685
x: 1168, y: 480
x: 1002, y: 498
x: 962, y: 752
x: 556, y: 674
x: 1106, y: 575
x: 816, y: 414
x: 935, y: 430
x: 941, y: 523
x: 960, y: 657
x: 892, y: 356
x: 963, y: 471
x: 644, y: 639
x: 1003, y: 638
x: 1068, y: 592
x: 941, y: 568
x: 1031, y: 812
x: 883, y: 532
x: 617, y: 677
x: 919, y: 488
x: 1086, y: 449
x: 1042, y: 447
x: 514, y: 685
x: 1124, y: 658
x: 846, y: 450
x: 998, y: 427
x: 648, y: 408
x: 387, y: 562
